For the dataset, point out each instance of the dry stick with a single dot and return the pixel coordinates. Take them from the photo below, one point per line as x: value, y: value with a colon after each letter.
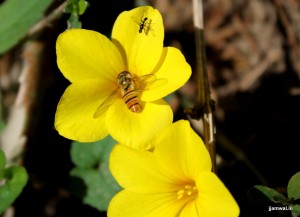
x: 203, y: 99
x: 246, y: 82
x: 14, y: 136
x: 46, y: 22
x: 292, y: 40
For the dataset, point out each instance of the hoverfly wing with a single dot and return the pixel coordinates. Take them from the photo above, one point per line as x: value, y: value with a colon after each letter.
x: 156, y: 84
x: 105, y: 104
x: 148, y: 78
x: 150, y: 81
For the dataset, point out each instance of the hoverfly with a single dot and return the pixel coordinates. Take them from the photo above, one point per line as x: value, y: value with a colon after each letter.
x: 129, y: 88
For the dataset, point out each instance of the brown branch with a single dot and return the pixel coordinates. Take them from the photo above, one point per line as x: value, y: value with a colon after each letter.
x: 253, y: 76
x: 13, y: 138
x: 46, y: 22
x: 246, y: 82
x: 292, y: 40
x: 203, y: 99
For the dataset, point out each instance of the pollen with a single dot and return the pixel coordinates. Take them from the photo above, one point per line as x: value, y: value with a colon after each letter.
x: 188, y: 191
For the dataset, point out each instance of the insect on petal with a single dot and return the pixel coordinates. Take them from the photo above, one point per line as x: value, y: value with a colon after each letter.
x: 142, y: 50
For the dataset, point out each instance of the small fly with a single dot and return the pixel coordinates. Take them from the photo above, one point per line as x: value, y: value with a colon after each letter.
x: 143, y: 25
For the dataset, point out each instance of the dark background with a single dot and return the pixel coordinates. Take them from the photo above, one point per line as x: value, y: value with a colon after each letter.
x: 257, y: 128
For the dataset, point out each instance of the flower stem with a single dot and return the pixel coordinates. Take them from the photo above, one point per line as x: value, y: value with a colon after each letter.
x: 204, y: 101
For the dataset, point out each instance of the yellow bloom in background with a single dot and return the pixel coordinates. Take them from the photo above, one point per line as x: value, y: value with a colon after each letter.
x: 173, y: 180
x: 117, y: 86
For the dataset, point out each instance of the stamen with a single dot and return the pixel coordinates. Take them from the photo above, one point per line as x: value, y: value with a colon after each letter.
x: 187, y: 191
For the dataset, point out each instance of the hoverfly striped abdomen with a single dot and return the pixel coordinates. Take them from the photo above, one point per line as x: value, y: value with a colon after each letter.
x: 128, y: 91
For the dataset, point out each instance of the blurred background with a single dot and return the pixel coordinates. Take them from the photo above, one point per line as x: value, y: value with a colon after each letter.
x: 253, y: 58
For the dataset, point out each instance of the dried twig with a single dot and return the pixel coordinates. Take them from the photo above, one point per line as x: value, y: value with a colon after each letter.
x: 46, y: 22
x: 286, y: 24
x: 13, y: 137
x: 254, y: 75
x: 203, y: 99
x: 248, y: 80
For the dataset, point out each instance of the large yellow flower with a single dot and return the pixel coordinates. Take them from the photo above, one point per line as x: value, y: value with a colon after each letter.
x: 173, y: 180
x: 93, y: 106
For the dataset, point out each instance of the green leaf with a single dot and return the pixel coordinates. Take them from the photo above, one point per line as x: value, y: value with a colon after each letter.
x: 15, y: 178
x: 2, y: 122
x: 293, y: 188
x: 82, y: 6
x: 75, y: 8
x: 73, y: 22
x: 92, y: 160
x: 272, y: 194
x: 100, y: 187
x: 87, y: 155
x: 2, y: 162
x: 296, y: 209
x: 69, y: 8
x: 17, y: 16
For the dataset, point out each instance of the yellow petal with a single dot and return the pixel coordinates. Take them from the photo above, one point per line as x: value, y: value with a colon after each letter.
x: 213, y: 198
x: 85, y: 54
x: 174, y: 69
x: 74, y: 116
x: 137, y: 129
x: 137, y: 171
x: 141, y: 47
x: 129, y: 204
x: 190, y: 210
x: 182, y: 152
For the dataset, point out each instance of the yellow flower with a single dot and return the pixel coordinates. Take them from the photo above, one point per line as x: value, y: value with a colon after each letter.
x: 173, y: 180
x: 93, y: 106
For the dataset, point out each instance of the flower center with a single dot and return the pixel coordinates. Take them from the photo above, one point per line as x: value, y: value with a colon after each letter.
x: 188, y: 191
